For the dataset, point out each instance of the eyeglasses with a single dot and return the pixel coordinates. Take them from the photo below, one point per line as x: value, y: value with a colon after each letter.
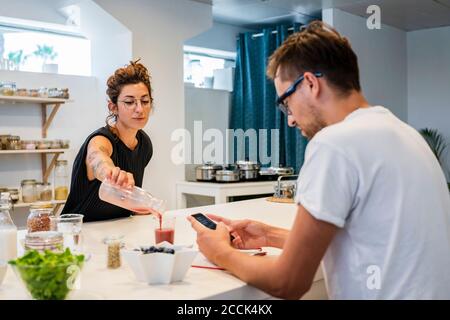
x: 132, y: 103
x: 280, y: 101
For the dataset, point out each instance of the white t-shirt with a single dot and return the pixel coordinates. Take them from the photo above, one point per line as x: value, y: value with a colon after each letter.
x: 375, y: 178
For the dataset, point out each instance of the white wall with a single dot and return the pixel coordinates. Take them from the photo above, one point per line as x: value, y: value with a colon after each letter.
x: 429, y: 80
x: 159, y: 30
x: 42, y: 10
x: 220, y: 36
x: 381, y: 57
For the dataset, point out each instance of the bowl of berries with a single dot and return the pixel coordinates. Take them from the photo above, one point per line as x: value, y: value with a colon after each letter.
x: 161, y: 264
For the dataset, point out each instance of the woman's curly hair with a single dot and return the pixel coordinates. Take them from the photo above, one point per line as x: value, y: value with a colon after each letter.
x: 133, y: 73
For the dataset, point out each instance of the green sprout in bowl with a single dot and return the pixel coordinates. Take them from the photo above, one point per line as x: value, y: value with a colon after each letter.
x: 48, y: 275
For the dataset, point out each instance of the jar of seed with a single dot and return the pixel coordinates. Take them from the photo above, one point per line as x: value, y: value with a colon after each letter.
x: 114, y: 244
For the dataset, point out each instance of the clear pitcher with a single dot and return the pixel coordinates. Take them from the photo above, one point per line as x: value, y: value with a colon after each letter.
x: 135, y: 199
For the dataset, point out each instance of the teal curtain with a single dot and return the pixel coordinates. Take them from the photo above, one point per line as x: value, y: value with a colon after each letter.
x: 253, y: 102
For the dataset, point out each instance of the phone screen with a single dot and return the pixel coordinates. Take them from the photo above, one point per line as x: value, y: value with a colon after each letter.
x: 207, y: 222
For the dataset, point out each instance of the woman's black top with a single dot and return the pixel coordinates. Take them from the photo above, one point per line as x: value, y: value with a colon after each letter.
x: 83, y: 197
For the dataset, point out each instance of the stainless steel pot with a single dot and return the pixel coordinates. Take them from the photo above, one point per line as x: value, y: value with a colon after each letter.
x: 227, y: 175
x: 272, y: 173
x: 249, y: 170
x: 207, y: 171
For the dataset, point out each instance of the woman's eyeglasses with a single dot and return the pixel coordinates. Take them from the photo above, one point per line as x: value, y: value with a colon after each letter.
x: 132, y: 103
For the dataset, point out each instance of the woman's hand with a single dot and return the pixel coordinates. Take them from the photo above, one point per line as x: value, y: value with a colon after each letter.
x: 248, y: 234
x: 119, y: 177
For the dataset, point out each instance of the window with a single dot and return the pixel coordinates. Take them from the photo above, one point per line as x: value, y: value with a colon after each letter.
x: 202, y: 65
x: 26, y: 48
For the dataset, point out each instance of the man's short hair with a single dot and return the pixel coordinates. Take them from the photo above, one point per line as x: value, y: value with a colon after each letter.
x: 317, y: 48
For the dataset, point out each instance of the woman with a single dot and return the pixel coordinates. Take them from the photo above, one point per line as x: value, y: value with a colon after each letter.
x: 120, y: 151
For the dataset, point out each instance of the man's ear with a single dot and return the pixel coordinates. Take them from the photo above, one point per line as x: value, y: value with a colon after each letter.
x: 312, y: 82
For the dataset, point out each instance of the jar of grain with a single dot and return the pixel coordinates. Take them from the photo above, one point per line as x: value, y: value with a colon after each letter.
x: 29, y: 191
x: 40, y: 217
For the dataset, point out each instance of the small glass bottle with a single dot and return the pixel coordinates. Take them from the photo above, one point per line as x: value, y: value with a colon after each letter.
x: 114, y: 244
x: 8, y: 230
x: 61, y: 180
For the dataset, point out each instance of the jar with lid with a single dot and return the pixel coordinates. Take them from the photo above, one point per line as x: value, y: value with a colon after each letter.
x: 4, y: 141
x: 43, y: 92
x: 43, y: 144
x: 53, y: 93
x: 14, y: 193
x: 61, y: 180
x: 65, y: 144
x: 28, y: 144
x: 55, y: 144
x: 44, y: 240
x: 7, y: 88
x: 40, y: 217
x: 44, y: 190
x: 29, y: 191
x: 14, y: 143
x: 34, y: 93
x: 22, y: 92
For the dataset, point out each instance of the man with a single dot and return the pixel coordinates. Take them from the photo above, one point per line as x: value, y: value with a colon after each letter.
x: 373, y: 204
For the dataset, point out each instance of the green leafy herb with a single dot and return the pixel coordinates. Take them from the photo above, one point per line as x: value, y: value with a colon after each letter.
x: 48, y: 275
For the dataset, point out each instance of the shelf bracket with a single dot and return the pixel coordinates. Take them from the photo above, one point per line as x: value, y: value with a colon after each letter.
x: 47, y: 170
x: 47, y: 121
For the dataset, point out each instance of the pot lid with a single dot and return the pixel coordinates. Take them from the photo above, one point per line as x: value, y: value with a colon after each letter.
x: 209, y: 166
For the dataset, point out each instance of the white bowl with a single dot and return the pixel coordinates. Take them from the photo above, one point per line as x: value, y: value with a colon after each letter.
x: 158, y: 267
x: 3, y: 267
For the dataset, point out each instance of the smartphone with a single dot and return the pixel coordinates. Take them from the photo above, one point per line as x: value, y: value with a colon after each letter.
x: 207, y: 222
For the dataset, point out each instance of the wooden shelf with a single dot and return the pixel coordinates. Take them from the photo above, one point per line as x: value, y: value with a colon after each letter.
x: 30, y: 100
x: 25, y: 205
x: 54, y: 103
x: 56, y: 203
x: 33, y: 151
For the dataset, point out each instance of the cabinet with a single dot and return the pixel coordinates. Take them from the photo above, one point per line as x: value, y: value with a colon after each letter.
x: 48, y: 156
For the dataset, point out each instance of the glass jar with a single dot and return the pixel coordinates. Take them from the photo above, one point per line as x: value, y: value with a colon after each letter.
x: 114, y: 244
x: 55, y: 144
x: 22, y: 92
x: 40, y: 218
x: 44, y: 240
x: 14, y: 193
x: 43, y: 144
x: 65, y: 144
x: 43, y: 92
x: 4, y: 141
x: 34, y: 93
x: 14, y: 143
x: 7, y: 88
x: 54, y: 93
x: 28, y: 144
x: 44, y: 190
x: 29, y: 191
x: 61, y: 180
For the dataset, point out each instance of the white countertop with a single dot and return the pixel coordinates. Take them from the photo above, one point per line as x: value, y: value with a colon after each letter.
x: 99, y: 282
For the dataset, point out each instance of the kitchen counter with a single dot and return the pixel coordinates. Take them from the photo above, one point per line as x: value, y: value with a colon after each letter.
x: 98, y: 282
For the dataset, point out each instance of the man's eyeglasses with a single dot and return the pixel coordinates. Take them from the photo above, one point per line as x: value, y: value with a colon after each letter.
x: 280, y: 101
x: 132, y: 103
